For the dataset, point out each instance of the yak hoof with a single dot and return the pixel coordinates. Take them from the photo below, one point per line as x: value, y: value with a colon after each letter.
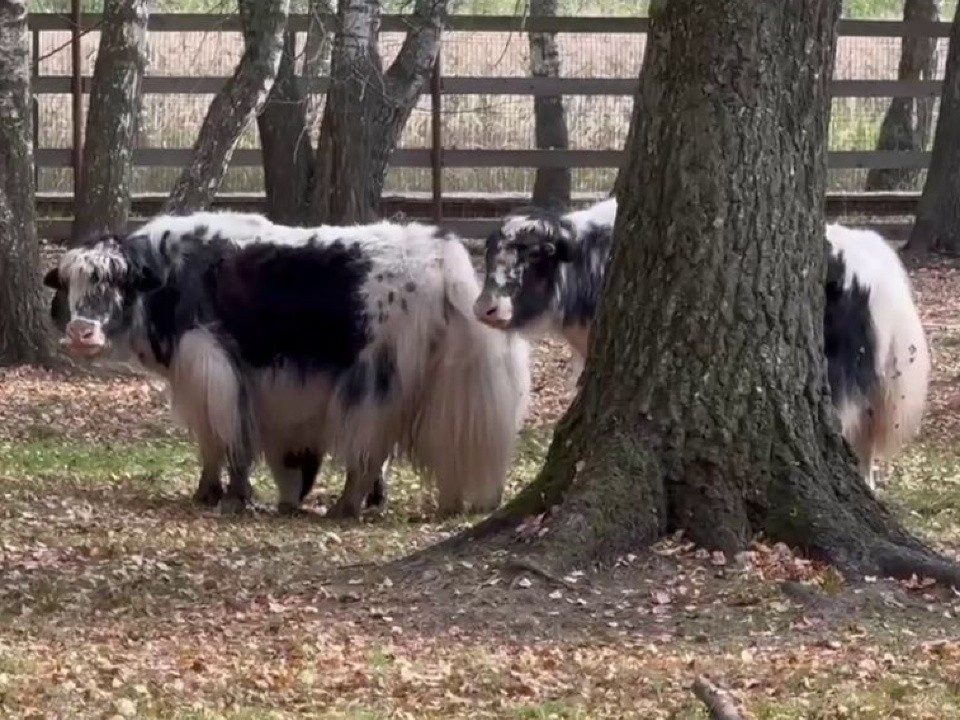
x: 233, y: 505
x: 208, y: 495
x: 288, y: 509
x: 343, y: 510
x: 376, y: 501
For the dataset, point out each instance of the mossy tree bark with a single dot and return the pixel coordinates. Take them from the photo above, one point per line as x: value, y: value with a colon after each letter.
x: 937, y: 226
x: 111, y: 130
x: 909, y: 120
x: 24, y: 332
x: 705, y: 405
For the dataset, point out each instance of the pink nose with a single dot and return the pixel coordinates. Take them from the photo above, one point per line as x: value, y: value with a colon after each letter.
x: 484, y: 308
x: 82, y: 332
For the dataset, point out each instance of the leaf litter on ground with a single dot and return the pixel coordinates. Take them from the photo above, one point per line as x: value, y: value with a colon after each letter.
x: 118, y: 598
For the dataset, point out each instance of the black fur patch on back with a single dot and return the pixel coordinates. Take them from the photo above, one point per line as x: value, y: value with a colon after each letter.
x: 850, y: 341
x: 293, y: 305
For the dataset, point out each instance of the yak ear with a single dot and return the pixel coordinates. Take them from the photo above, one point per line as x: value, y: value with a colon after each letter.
x: 52, y: 279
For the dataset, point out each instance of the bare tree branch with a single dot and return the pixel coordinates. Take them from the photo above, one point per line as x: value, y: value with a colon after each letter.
x: 316, y: 51
x: 237, y: 103
x: 410, y: 70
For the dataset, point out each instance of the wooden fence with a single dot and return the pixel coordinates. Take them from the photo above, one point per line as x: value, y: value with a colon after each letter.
x: 437, y: 157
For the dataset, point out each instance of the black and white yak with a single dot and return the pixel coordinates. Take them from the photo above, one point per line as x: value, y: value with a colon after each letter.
x: 544, y: 274
x: 302, y: 341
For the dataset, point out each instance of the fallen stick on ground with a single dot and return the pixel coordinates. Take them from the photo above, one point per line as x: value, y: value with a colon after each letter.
x: 720, y: 704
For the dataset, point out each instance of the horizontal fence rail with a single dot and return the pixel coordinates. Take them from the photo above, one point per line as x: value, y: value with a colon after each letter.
x: 209, y: 22
x: 475, y: 216
x: 475, y: 225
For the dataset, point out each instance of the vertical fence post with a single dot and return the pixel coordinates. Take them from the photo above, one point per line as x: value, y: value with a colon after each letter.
x: 77, y: 91
x: 436, y: 146
x: 35, y: 105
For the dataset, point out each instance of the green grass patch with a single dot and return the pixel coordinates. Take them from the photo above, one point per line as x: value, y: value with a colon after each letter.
x: 924, y: 487
x: 899, y: 696
x: 552, y: 710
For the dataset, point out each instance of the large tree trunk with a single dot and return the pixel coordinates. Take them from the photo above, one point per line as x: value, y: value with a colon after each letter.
x: 264, y: 23
x: 367, y: 108
x: 284, y: 124
x: 24, y: 333
x: 551, y: 186
x: 112, y: 119
x: 907, y: 124
x: 937, y: 226
x: 705, y: 405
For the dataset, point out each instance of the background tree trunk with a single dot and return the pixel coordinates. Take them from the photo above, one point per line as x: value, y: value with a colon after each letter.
x: 24, y: 336
x: 366, y: 108
x: 112, y: 119
x: 285, y: 122
x: 705, y: 405
x: 319, y: 43
x: 264, y: 22
x: 365, y: 111
x: 907, y: 124
x: 551, y: 186
x: 937, y: 225
x: 285, y: 141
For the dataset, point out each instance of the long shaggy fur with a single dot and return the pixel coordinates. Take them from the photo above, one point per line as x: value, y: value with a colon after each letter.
x: 879, y: 426
x: 876, y: 425
x: 430, y: 378
x: 476, y: 398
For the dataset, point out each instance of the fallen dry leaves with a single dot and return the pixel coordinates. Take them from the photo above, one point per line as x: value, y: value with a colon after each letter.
x: 120, y: 599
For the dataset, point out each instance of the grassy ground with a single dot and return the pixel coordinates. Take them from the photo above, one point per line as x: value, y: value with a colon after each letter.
x: 119, y: 598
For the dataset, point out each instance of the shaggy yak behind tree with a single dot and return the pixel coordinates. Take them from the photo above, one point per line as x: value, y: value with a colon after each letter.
x: 301, y: 341
x: 545, y: 273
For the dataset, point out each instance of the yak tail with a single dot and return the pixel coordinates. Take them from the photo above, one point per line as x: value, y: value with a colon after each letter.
x: 475, y: 399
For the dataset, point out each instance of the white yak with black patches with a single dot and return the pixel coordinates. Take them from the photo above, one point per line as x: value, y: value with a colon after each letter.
x: 545, y: 273
x: 351, y: 340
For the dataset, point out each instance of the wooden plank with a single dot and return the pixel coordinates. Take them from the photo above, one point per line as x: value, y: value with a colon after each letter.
x: 178, y: 157
x: 893, y: 28
x: 870, y: 159
x: 461, y: 85
x: 203, y: 22
x: 885, y: 88
x: 59, y: 230
x: 159, y: 84
x: 887, y: 202
x: 420, y: 158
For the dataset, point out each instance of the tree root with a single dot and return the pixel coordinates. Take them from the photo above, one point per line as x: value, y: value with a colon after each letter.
x: 720, y: 704
x: 850, y: 529
x: 518, y: 564
x: 903, y: 562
